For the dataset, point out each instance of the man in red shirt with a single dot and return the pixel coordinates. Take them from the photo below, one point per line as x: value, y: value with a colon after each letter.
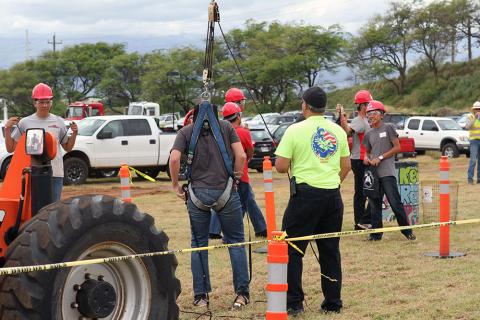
x: 232, y: 113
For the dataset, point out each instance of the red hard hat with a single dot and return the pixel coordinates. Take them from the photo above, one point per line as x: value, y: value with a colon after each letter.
x: 229, y: 109
x: 42, y: 91
x: 363, y: 96
x: 375, y: 105
x: 234, y: 94
x: 188, y: 118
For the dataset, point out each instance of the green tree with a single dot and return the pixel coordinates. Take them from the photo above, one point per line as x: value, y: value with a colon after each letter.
x: 81, y: 68
x: 121, y: 83
x: 433, y: 33
x: 184, y: 89
x: 279, y: 59
x: 382, y: 47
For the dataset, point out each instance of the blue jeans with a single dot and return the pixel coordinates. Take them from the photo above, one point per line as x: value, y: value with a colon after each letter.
x: 57, y: 188
x: 474, y: 156
x: 232, y: 225
x: 388, y: 186
x: 247, y: 198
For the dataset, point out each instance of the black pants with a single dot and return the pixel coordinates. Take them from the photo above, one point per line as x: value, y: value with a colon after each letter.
x: 388, y: 186
x: 314, y: 211
x: 360, y: 214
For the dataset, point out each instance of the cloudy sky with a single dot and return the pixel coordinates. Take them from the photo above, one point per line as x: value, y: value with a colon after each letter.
x: 144, y: 25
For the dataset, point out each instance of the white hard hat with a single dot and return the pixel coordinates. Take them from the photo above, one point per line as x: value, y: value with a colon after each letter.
x: 476, y: 105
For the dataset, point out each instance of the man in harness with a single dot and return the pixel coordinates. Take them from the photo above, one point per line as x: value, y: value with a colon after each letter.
x: 215, y: 163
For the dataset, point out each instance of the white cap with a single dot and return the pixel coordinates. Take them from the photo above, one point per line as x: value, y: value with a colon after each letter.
x: 476, y: 105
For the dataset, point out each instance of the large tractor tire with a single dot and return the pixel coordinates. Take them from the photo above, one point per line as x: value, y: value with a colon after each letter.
x: 88, y: 227
x: 4, y: 169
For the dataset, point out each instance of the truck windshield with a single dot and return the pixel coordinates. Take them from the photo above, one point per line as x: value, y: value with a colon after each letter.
x: 75, y: 111
x: 87, y: 127
x: 135, y: 110
x: 449, y: 125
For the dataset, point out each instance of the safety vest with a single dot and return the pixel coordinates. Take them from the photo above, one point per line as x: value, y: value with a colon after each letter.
x: 475, y: 130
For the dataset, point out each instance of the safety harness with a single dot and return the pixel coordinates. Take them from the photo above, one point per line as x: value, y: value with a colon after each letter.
x: 207, y: 121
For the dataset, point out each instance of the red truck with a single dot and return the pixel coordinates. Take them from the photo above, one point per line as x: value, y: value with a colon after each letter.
x: 82, y: 109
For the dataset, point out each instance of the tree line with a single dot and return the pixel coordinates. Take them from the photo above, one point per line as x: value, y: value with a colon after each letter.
x: 277, y: 60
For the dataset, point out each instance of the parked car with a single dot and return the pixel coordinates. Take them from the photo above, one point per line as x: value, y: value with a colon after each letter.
x: 462, y: 120
x: 5, y: 156
x: 106, y: 142
x: 398, y: 119
x: 263, y: 145
x: 274, y: 121
x: 257, y: 120
x: 280, y: 131
x: 437, y: 133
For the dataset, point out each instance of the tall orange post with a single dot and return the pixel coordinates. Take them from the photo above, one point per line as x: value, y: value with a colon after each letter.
x: 277, y: 285
x: 444, y: 206
x: 444, y: 250
x: 125, y: 183
x: 269, y: 196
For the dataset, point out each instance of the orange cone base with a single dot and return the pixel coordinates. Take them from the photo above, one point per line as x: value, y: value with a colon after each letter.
x: 451, y: 255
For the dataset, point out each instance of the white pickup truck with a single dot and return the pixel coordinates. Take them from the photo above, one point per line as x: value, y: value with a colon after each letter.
x: 435, y: 133
x: 106, y: 142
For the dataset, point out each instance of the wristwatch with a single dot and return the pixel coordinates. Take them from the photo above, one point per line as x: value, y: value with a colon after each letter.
x: 380, y: 157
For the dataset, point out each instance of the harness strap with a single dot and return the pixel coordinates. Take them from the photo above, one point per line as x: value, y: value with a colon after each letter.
x: 217, y: 205
x: 206, y: 114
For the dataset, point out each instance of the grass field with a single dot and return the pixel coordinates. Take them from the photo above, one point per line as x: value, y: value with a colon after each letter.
x: 389, y: 279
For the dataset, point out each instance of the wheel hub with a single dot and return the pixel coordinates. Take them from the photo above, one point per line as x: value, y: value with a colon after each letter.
x: 96, y: 299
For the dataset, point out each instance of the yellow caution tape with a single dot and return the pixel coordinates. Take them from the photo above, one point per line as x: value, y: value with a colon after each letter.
x: 143, y: 175
x: 16, y: 270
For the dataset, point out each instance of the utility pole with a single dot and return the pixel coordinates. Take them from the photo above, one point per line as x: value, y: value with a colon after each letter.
x: 54, y: 43
x: 27, y: 46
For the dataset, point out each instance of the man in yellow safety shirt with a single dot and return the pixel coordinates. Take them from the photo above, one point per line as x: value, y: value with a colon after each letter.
x: 316, y: 150
x: 473, y: 127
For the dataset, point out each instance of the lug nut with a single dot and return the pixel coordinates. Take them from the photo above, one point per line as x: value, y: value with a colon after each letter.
x: 88, y: 276
x: 74, y: 305
x: 100, y: 278
x: 77, y: 287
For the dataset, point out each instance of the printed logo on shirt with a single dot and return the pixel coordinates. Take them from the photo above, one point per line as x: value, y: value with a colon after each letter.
x: 383, y: 134
x: 324, y: 144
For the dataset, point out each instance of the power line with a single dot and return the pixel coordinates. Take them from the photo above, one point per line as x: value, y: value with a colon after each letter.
x: 54, y: 43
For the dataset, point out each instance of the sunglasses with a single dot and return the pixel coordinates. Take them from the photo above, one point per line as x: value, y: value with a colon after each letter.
x: 373, y: 113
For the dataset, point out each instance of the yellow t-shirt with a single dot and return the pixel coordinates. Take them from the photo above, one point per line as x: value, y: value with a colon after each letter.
x: 314, y: 147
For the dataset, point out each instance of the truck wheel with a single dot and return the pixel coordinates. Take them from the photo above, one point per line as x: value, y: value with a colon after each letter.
x: 3, y: 170
x: 75, y: 171
x: 450, y: 150
x: 106, y: 173
x: 88, y: 227
x: 151, y: 172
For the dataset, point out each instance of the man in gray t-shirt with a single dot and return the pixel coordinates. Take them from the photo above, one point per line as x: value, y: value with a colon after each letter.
x: 208, y: 180
x: 382, y: 145
x: 42, y: 96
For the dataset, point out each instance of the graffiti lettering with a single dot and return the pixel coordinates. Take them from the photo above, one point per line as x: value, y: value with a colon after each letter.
x: 408, y: 175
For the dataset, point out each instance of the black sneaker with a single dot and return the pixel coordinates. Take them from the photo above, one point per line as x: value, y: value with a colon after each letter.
x: 410, y: 236
x: 261, y: 234
x: 374, y: 238
x: 295, y: 311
